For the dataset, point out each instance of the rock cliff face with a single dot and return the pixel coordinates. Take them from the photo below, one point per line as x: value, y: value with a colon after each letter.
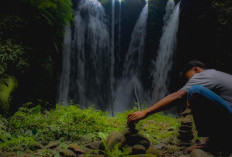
x: 205, y: 32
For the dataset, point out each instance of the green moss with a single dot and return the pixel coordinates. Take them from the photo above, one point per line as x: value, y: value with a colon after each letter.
x: 7, y: 86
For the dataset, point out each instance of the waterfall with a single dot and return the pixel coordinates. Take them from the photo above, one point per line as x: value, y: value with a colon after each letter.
x: 165, y: 53
x: 65, y: 74
x: 90, y: 58
x: 119, y: 25
x: 129, y: 87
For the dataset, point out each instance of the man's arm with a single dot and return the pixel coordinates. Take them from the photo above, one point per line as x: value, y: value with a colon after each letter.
x: 157, y: 107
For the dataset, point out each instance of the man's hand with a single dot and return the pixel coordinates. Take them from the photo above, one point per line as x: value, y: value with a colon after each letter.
x: 136, y: 116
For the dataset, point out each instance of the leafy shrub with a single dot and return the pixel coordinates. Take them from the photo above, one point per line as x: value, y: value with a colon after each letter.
x: 11, y: 55
x: 73, y: 124
x: 54, y: 10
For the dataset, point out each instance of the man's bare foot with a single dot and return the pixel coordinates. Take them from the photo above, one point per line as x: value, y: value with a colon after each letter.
x: 202, y: 145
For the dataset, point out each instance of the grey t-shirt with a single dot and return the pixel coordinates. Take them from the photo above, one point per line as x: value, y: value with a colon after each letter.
x: 217, y: 81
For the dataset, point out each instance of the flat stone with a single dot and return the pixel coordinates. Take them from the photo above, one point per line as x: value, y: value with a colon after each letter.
x: 145, y: 143
x: 135, y: 139
x: 154, y: 151
x: 184, y: 143
x: 138, y: 149
x: 129, y: 149
x: 159, y: 146
x: 38, y: 145
x: 186, y: 112
x: 8, y: 154
x: 76, y: 149
x: 187, y: 120
x: 185, y: 127
x: 171, y: 148
x: 52, y: 144
x: 185, y: 132
x: 200, y: 153
x: 185, y: 137
x: 94, y: 145
x: 115, y: 138
x: 128, y: 131
x: 67, y: 153
x: 43, y: 151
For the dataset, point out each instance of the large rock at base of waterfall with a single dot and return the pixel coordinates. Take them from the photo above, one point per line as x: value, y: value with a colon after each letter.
x: 200, y: 153
x: 135, y: 139
x: 115, y: 138
x: 138, y: 149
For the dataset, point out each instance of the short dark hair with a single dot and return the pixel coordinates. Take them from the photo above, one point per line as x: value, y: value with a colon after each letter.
x: 191, y: 64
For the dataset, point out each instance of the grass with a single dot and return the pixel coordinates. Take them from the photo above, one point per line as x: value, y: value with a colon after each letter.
x: 71, y: 124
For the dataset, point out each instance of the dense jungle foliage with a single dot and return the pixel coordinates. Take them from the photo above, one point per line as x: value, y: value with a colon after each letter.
x: 31, y: 37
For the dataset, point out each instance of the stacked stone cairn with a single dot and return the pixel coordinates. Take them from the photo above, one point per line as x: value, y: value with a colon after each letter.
x: 185, y: 136
x: 130, y: 140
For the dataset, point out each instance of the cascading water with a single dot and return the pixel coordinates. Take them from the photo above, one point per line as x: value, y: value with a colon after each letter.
x: 165, y: 53
x: 89, y: 74
x: 65, y: 75
x: 129, y: 87
x: 119, y: 25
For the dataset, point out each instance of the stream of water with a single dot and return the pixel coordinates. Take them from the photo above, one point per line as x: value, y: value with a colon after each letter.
x: 164, y: 60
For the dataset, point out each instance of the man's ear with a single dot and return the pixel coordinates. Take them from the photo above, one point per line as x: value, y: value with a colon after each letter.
x: 196, y: 69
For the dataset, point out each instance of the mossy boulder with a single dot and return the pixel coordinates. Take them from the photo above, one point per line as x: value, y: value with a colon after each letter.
x: 115, y: 138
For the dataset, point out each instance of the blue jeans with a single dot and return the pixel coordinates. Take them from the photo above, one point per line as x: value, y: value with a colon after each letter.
x: 212, y: 114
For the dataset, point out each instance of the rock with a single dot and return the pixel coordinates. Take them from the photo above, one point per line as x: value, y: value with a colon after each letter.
x: 166, y: 140
x: 185, y: 127
x: 128, y: 131
x: 180, y: 154
x: 131, y: 126
x: 185, y: 137
x: 76, y: 149
x: 186, y: 112
x: 67, y: 153
x: 184, y: 132
x: 135, y: 138
x: 145, y: 143
x: 129, y: 149
x: 138, y: 149
x: 43, y: 151
x: 171, y: 148
x: 184, y: 144
x: 159, y: 146
x: 94, y: 145
x: 154, y: 151
x: 8, y: 154
x: 187, y: 120
x: 115, y: 138
x: 200, y: 153
x: 52, y: 144
x: 38, y: 145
